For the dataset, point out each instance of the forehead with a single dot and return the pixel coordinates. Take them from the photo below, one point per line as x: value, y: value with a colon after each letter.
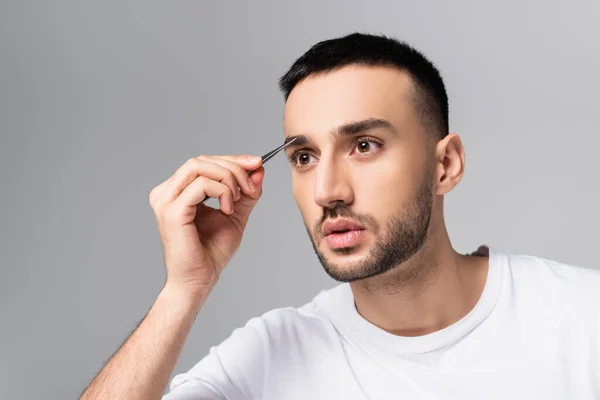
x: 325, y: 100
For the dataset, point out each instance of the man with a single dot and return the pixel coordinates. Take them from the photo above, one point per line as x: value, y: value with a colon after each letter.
x: 411, y: 318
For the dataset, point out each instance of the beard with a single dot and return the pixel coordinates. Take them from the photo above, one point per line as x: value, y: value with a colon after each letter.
x: 404, y: 235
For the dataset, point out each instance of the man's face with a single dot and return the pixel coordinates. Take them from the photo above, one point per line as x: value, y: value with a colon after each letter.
x: 361, y: 171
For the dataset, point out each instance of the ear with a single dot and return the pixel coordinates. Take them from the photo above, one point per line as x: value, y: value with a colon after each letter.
x: 450, y: 163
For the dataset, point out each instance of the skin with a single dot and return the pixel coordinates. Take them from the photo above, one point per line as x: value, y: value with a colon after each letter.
x: 198, y: 242
x: 400, y: 184
x: 381, y: 173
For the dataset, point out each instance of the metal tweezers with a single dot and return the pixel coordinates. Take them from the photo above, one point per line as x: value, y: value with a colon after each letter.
x: 267, y: 157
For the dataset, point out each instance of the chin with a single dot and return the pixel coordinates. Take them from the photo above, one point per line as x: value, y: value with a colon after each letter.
x: 346, y: 272
x: 345, y: 259
x: 348, y: 254
x: 346, y: 264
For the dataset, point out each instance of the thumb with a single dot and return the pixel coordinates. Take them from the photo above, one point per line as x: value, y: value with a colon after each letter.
x: 249, y: 162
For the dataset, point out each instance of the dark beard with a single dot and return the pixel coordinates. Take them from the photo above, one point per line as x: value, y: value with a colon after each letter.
x: 403, y: 237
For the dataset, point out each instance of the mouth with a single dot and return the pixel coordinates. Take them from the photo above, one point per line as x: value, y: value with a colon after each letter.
x: 343, y: 233
x: 341, y: 226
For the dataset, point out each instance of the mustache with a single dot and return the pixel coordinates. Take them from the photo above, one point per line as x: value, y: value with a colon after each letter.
x: 341, y: 211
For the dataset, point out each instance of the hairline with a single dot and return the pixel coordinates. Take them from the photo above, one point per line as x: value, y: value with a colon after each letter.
x: 421, y: 96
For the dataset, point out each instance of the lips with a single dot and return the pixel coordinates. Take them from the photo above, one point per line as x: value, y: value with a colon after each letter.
x: 343, y: 234
x: 341, y: 226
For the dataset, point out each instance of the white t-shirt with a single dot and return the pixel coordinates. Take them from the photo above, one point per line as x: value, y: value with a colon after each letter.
x: 534, y: 334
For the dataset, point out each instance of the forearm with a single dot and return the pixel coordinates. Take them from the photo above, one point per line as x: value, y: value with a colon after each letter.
x: 141, y: 368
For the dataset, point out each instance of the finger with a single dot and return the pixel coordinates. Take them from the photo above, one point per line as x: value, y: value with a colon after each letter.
x: 244, y: 206
x: 241, y: 174
x: 248, y: 162
x: 202, y: 187
x: 257, y: 178
x: 246, y: 203
x: 192, y: 169
x: 155, y: 193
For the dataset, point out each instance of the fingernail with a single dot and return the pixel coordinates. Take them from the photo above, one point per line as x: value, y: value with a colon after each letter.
x: 253, y: 159
x: 251, y: 184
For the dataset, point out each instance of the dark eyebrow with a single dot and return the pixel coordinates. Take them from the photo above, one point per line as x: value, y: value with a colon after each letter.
x: 301, y: 140
x: 369, y: 124
x: 348, y: 129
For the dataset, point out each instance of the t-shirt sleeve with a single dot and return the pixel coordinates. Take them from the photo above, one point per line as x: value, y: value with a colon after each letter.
x: 234, y: 369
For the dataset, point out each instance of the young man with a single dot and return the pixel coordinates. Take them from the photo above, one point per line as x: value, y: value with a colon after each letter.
x: 412, y: 318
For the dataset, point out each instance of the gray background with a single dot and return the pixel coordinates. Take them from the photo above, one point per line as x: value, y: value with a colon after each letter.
x: 101, y: 101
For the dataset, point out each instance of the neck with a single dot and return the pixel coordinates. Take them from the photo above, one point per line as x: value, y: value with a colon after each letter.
x: 427, y: 293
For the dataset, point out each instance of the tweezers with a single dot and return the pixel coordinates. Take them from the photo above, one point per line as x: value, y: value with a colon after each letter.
x: 267, y: 157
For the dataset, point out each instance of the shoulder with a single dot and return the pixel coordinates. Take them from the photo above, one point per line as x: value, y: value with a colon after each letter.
x: 556, y: 281
x: 552, y: 271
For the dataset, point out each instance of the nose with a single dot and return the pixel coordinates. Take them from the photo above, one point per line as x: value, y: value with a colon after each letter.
x: 332, y: 184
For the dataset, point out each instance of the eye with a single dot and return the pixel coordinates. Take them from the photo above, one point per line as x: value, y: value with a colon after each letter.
x: 366, y: 145
x: 301, y: 158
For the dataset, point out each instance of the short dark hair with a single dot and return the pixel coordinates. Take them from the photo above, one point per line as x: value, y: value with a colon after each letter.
x: 377, y: 50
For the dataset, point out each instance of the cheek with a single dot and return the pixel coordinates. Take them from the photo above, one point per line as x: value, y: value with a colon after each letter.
x: 300, y: 189
x: 386, y: 187
x: 303, y: 195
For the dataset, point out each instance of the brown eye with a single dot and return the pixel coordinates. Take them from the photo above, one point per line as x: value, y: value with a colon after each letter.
x: 363, y: 147
x: 366, y: 146
x: 302, y: 158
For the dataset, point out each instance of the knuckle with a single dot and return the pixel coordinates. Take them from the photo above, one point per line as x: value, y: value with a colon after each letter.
x: 230, y: 176
x: 192, y: 161
x: 239, y: 169
x: 171, y: 215
x: 202, y: 181
x: 158, y: 206
x: 152, y: 197
x: 155, y: 190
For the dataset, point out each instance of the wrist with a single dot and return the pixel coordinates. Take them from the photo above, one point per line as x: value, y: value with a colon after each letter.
x: 181, y: 299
